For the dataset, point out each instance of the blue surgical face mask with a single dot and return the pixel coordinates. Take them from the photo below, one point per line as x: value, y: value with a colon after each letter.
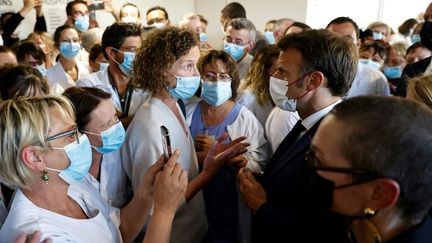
x: 203, y: 37
x: 216, y: 93
x: 185, y: 86
x: 393, y: 72
x: 127, y: 65
x: 82, y: 23
x: 80, y: 158
x: 69, y: 49
x: 377, y: 35
x: 270, y: 37
x: 235, y: 51
x: 112, y: 138
x: 371, y: 63
x: 103, y: 66
x: 42, y: 69
x: 415, y: 38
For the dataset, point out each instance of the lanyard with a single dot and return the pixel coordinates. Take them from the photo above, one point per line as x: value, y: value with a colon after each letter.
x: 125, y: 99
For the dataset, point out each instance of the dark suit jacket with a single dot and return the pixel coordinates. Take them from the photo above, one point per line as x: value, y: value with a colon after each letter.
x: 298, y: 201
x: 415, y: 69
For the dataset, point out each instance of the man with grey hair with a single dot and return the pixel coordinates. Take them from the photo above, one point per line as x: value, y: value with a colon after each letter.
x: 90, y: 38
x: 279, y: 28
x: 239, y: 40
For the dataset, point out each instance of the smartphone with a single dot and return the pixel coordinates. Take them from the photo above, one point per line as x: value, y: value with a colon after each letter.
x: 96, y: 5
x: 166, y: 142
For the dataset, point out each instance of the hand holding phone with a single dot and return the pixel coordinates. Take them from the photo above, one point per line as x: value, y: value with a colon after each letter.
x: 166, y: 142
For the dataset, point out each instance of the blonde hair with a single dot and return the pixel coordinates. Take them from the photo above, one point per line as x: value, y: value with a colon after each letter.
x: 257, y: 79
x: 25, y: 122
x: 420, y: 89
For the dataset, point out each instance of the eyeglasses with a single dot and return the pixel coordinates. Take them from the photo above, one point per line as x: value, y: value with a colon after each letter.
x: 235, y: 42
x: 210, y: 76
x: 363, y: 175
x: 71, y: 133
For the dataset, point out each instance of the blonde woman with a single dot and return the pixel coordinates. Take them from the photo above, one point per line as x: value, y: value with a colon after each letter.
x: 254, y: 90
x: 47, y: 159
x: 420, y: 89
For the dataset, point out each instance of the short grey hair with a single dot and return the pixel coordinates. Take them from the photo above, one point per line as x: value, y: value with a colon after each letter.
x: 243, y: 23
x: 91, y: 37
x: 279, y: 23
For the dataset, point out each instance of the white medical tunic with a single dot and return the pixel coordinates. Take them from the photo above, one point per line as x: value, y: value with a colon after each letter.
x: 102, y: 224
x: 59, y: 80
x: 143, y: 147
x: 101, y: 80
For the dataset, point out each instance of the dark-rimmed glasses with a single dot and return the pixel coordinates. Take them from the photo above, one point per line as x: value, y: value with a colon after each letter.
x: 364, y: 175
x: 73, y: 132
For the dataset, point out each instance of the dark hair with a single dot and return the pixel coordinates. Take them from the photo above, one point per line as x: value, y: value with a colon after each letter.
x: 234, y: 10
x: 4, y: 17
x: 257, y: 79
x: 21, y: 81
x: 59, y: 31
x: 414, y: 47
x: 95, y: 52
x: 214, y: 55
x: 160, y: 49
x: 4, y: 49
x: 392, y: 137
x: 380, y: 47
x: 202, y: 19
x: 26, y: 48
x: 300, y: 25
x: 85, y: 100
x: 71, y: 4
x: 343, y: 20
x: 115, y: 34
x: 407, y: 26
x: 273, y: 21
x: 158, y: 8
x: 132, y: 5
x: 321, y: 50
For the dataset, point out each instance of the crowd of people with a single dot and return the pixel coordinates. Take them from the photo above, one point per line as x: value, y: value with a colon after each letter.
x: 151, y: 133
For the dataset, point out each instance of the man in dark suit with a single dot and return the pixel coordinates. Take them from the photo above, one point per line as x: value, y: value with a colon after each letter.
x: 315, y: 69
x: 422, y: 66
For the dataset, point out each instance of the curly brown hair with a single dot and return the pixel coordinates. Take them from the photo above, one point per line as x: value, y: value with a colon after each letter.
x: 214, y: 55
x: 160, y: 49
x: 258, y: 78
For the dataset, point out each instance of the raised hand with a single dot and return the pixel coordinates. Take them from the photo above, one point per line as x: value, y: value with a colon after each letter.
x: 170, y: 186
x: 203, y: 142
x: 252, y: 192
x: 220, y: 153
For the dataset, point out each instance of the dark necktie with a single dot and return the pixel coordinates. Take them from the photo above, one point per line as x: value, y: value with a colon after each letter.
x: 289, y: 140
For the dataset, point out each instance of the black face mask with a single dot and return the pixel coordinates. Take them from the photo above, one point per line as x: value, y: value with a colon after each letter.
x: 426, y: 35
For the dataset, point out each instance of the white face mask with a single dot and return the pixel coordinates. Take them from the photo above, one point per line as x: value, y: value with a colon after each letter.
x: 278, y: 90
x: 129, y: 19
x: 159, y: 25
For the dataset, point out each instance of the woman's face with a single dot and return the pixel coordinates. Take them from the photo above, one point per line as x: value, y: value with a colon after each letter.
x: 185, y: 66
x: 101, y: 119
x: 60, y: 123
x: 215, y: 71
x: 69, y: 35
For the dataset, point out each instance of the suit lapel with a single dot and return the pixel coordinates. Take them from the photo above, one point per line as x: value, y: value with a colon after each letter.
x: 300, y: 146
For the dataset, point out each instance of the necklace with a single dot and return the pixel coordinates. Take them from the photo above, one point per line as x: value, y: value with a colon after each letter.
x: 217, y: 116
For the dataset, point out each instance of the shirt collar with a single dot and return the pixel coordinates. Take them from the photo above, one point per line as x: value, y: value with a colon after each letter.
x: 315, y: 117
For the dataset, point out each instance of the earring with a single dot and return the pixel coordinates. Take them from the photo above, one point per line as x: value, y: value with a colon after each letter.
x: 369, y: 212
x: 45, y: 176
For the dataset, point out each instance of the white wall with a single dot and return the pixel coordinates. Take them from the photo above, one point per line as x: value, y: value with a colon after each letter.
x: 316, y: 13
x: 256, y: 11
